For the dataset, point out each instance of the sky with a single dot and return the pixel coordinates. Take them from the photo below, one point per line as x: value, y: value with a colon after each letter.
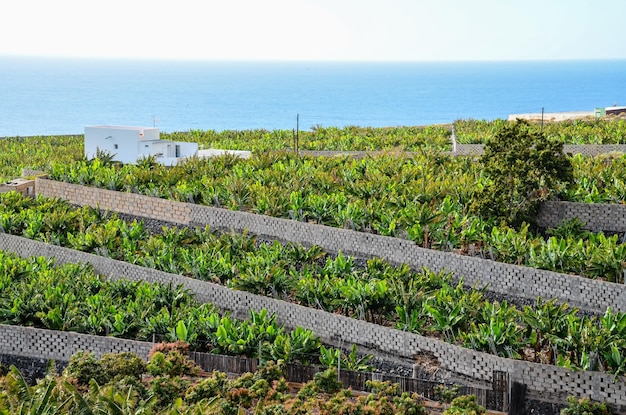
x: 315, y: 30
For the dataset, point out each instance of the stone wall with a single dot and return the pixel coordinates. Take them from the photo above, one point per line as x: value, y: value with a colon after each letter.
x: 502, y: 278
x: 587, y: 150
x: 59, y: 345
x: 149, y: 207
x: 31, y: 368
x: 542, y: 380
x: 596, y: 216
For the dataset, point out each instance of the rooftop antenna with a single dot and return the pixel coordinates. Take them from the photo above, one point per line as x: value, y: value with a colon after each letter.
x: 154, y: 121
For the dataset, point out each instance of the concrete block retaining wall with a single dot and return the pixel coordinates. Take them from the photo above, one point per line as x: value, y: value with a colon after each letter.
x: 149, y: 207
x: 596, y: 216
x: 542, y: 380
x: 503, y: 278
x: 587, y: 150
x: 59, y: 345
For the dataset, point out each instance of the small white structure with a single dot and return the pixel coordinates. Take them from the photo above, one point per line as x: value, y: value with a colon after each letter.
x: 129, y: 144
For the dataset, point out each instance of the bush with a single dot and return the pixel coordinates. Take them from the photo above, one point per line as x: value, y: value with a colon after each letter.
x: 465, y: 405
x: 523, y: 168
x: 121, y: 365
x: 171, y: 359
x: 327, y: 382
x: 83, y: 367
x: 207, y: 388
x: 585, y: 406
x: 447, y: 394
x: 166, y: 389
x: 271, y: 371
x: 410, y: 404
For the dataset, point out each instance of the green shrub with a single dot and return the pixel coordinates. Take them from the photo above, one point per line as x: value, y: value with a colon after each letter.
x: 207, y: 388
x: 327, y: 382
x: 276, y: 409
x: 171, y: 359
x: 83, y: 367
x: 447, y: 394
x: 585, y: 406
x: 465, y: 405
x: 307, y: 391
x: 125, y: 364
x: 410, y: 404
x: 271, y: 371
x: 523, y: 167
x: 167, y: 389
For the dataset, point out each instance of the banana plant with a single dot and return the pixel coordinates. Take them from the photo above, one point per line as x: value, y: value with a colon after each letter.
x: 499, y: 334
x: 615, y: 359
x: 545, y: 322
x: 300, y: 345
x: 45, y: 398
x: 334, y: 358
x: 411, y: 319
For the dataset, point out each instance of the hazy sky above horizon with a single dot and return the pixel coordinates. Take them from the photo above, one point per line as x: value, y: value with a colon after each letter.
x: 331, y: 30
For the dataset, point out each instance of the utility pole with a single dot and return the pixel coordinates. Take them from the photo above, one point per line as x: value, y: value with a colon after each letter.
x: 297, y: 134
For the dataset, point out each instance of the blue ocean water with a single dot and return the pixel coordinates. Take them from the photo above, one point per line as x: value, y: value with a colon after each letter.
x: 41, y: 96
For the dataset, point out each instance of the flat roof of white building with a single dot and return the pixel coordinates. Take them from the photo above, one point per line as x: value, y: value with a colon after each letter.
x: 121, y: 127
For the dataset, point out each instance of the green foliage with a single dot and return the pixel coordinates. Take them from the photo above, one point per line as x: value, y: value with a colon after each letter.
x: 171, y: 359
x: 271, y: 371
x: 166, y: 389
x: 333, y: 358
x: 326, y: 381
x: 121, y: 365
x: 464, y: 405
x: 577, y: 131
x: 300, y: 345
x: 447, y: 393
x: 37, y: 153
x: 573, y: 228
x: 585, y: 406
x: 83, y: 367
x: 207, y: 388
x: 523, y: 168
x: 410, y: 404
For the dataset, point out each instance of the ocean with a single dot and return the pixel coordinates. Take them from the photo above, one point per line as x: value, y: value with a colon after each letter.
x: 45, y: 96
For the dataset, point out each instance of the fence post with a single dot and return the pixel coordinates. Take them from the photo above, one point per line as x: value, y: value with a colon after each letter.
x: 500, y: 386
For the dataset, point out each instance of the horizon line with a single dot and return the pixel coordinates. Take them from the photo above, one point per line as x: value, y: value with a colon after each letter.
x: 304, y: 61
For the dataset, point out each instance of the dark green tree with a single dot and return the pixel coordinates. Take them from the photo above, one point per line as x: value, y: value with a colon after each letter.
x: 523, y: 168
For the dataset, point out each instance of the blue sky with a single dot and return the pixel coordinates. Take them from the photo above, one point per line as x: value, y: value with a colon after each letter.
x: 331, y: 30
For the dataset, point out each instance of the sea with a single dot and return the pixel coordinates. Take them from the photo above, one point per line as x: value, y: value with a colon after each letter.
x: 54, y: 96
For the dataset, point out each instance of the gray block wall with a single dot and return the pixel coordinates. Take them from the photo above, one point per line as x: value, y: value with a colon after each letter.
x: 526, y: 282
x: 587, y: 150
x: 59, y: 345
x: 596, y: 216
x: 541, y: 380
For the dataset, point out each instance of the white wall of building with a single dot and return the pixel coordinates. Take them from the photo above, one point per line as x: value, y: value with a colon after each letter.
x: 128, y: 144
x: 120, y: 141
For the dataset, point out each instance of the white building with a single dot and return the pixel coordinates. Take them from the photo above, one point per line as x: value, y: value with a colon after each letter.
x: 129, y: 144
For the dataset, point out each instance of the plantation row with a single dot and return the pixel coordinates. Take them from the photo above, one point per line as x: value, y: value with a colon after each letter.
x: 169, y: 383
x: 350, y: 138
x: 424, y: 198
x: 39, y: 152
x: 421, y: 302
x: 589, y: 131
x: 35, y: 292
